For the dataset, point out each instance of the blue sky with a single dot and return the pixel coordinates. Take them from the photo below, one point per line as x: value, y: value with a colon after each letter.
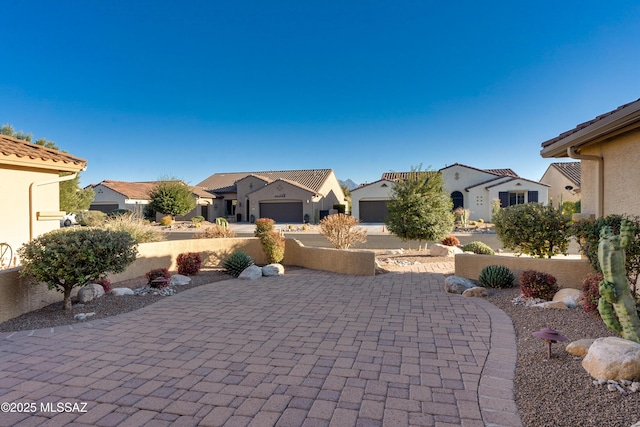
x: 145, y: 89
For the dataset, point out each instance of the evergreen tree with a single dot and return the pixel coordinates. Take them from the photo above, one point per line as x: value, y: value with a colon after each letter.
x: 420, y: 208
x: 171, y: 196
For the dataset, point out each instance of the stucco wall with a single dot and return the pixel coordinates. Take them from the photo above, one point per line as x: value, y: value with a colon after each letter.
x: 568, y: 272
x: 281, y: 192
x: 14, y: 191
x: 17, y: 296
x: 621, y: 175
x: 557, y: 183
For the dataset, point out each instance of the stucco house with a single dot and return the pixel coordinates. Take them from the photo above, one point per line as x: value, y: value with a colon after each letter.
x: 29, y: 185
x: 563, y: 179
x: 285, y: 196
x: 134, y: 196
x: 608, y: 148
x: 470, y: 188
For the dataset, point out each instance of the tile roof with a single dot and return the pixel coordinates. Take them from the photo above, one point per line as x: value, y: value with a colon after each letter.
x: 569, y: 169
x: 587, y: 124
x: 394, y: 176
x: 226, y: 182
x: 12, y: 149
x: 140, y: 190
x: 498, y: 172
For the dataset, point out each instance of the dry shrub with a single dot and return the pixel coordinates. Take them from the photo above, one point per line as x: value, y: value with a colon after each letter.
x: 217, y: 232
x: 339, y: 230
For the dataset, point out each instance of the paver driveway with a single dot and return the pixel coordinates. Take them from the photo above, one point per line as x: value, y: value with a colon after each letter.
x: 307, y: 349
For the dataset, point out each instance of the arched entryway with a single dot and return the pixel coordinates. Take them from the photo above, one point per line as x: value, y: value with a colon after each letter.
x: 458, y: 199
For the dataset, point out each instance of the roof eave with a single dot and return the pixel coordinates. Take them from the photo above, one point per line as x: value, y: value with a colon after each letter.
x: 41, y: 164
x: 622, y: 121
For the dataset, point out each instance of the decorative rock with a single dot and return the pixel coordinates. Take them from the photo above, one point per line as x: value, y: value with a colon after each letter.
x: 86, y: 294
x: 395, y: 251
x: 476, y: 291
x: 570, y: 297
x: 273, y: 270
x: 438, y: 249
x: 457, y: 284
x: 179, y: 280
x: 121, y: 291
x: 552, y: 304
x: 83, y: 316
x: 252, y: 272
x: 579, y: 347
x: 613, y: 358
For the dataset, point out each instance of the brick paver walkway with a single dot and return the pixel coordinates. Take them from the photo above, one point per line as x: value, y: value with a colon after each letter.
x: 307, y: 349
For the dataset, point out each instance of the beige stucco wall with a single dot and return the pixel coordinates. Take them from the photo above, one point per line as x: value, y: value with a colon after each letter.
x: 569, y: 272
x: 621, y: 157
x: 557, y: 183
x: 17, y: 296
x: 380, y: 190
x: 14, y: 193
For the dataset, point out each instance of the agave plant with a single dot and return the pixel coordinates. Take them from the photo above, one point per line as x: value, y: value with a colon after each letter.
x: 236, y: 263
x: 496, y: 276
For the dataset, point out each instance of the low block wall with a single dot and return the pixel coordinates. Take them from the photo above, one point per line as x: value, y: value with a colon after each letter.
x: 569, y: 272
x: 18, y: 297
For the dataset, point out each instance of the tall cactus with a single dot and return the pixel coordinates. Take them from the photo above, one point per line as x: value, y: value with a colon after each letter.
x: 616, y: 305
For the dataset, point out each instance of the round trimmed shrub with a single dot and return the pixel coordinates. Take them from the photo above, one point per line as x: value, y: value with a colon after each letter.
x: 536, y: 284
x: 478, y: 248
x: 451, y: 240
x: 189, y: 263
x: 496, y: 276
x: 157, y: 273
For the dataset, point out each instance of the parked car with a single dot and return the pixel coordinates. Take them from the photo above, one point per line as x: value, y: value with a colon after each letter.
x: 68, y: 220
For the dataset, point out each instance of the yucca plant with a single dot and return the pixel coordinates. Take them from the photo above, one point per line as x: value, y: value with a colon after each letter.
x: 496, y: 276
x: 236, y: 263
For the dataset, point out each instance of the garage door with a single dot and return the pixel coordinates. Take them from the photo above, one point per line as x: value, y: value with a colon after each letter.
x: 373, y: 210
x: 106, y: 208
x: 282, y: 212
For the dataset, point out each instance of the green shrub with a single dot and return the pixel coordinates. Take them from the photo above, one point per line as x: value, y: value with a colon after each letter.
x: 189, y: 263
x: 273, y: 245
x: 263, y: 225
x: 340, y: 208
x: 73, y: 257
x: 587, y: 233
x: 536, y: 284
x: 533, y: 229
x: 451, y: 240
x: 118, y: 212
x: 478, y: 248
x: 236, y: 263
x: 197, y: 221
x: 591, y: 290
x: 157, y: 273
x: 138, y: 228
x: 496, y: 276
x: 91, y: 218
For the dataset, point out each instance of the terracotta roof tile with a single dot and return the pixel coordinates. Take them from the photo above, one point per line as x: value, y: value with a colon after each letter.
x: 15, y: 148
x: 140, y: 190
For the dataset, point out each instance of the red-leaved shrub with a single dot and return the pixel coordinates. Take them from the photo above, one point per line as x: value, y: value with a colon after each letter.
x: 591, y: 290
x: 105, y: 283
x: 536, y: 284
x: 451, y: 240
x: 189, y: 263
x: 155, y: 274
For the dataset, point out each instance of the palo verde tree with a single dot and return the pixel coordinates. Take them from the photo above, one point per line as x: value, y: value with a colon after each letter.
x: 420, y: 209
x: 74, y: 257
x: 72, y: 197
x: 171, y: 196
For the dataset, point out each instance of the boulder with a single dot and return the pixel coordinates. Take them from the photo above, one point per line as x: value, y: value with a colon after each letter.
x: 252, y: 272
x: 83, y: 316
x: 558, y: 305
x: 457, y: 284
x: 179, y: 280
x: 476, y: 291
x: 613, y: 358
x: 90, y: 292
x: 438, y: 249
x: 121, y: 291
x: 570, y: 297
x: 579, y: 347
x: 273, y: 270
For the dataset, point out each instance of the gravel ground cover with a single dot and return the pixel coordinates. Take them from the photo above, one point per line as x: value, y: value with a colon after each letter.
x: 549, y: 392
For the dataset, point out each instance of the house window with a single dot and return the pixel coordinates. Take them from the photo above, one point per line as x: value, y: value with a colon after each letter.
x: 510, y: 198
x: 516, y: 198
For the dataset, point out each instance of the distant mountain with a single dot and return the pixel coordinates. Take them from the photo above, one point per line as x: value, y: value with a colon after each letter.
x: 350, y: 184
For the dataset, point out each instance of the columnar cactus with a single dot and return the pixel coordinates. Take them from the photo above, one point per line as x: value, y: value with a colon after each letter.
x: 616, y: 305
